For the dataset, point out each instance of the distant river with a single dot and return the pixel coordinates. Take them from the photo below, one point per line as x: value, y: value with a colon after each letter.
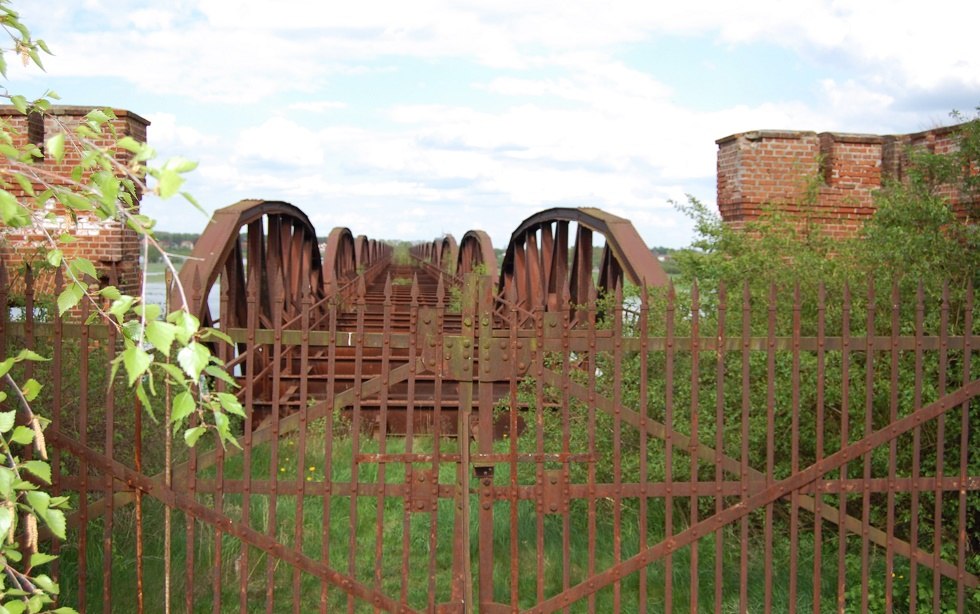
x: 156, y: 292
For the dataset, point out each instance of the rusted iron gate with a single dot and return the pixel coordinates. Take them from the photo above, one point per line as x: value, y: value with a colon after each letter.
x: 517, y: 445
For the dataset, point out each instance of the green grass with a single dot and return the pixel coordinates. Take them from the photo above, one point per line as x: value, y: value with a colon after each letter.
x: 422, y: 589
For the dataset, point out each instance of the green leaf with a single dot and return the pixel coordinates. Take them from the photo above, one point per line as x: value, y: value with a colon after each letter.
x: 12, y: 213
x: 97, y: 116
x: 26, y: 354
x: 5, y: 366
x: 6, y: 423
x: 25, y: 184
x: 31, y: 388
x: 70, y: 297
x: 137, y: 361
x: 6, y: 520
x: 179, y: 165
x: 14, y: 606
x: 54, y: 257
x: 193, y: 359
x: 187, y: 325
x: 39, y: 501
x: 121, y: 306
x: 7, y: 483
x: 193, y: 201
x: 219, y: 373
x: 173, y: 371
x: 193, y: 434
x: 83, y: 266
x: 168, y: 183
x: 110, y: 292
x: 64, y: 610
x: 22, y: 435
x: 55, y: 146
x: 148, y: 311
x: 182, y: 406
x: 213, y: 333
x: 231, y: 404
x: 20, y: 103
x: 56, y: 521
x: 46, y: 584
x: 40, y: 469
x: 145, y: 401
x: 161, y: 335
x: 40, y: 558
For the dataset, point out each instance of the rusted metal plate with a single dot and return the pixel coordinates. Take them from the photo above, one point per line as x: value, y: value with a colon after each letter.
x: 423, y: 490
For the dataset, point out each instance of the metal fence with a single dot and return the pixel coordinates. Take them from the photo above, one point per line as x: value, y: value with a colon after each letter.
x: 436, y: 449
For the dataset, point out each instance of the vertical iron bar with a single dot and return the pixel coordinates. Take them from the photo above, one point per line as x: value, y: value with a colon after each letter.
x: 845, y: 410
x: 409, y: 449
x: 252, y: 351
x: 869, y: 360
x: 167, y: 472
x: 328, y: 433
x: 306, y: 304
x: 109, y: 450
x: 83, y: 377
x: 138, y: 502
x: 382, y: 431
x: 694, y: 441
x: 538, y: 309
x: 916, y: 449
x: 940, y: 452
x: 892, y: 453
x: 794, y: 510
x: 463, y: 435
x: 560, y: 283
x: 964, y: 452
x: 482, y: 332
x: 644, y: 332
x: 617, y: 332
x: 819, y: 445
x: 720, y: 443
x: 669, y: 450
x: 57, y: 384
x: 272, y: 511
x: 591, y: 411
x: 743, y: 591
x: 223, y: 353
x: 461, y: 516
x: 770, y: 437
x: 512, y: 430
x: 355, y: 435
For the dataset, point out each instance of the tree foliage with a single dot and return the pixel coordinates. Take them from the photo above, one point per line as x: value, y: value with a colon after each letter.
x: 157, y: 349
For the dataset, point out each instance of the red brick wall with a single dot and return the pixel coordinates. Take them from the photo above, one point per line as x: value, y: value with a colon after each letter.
x: 108, y: 244
x: 769, y: 168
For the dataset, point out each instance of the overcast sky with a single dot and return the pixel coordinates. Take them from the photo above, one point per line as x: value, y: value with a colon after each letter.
x: 412, y: 118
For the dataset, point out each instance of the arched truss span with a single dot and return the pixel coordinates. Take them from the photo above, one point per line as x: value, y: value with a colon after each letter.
x: 546, y: 254
x: 340, y: 257
x: 268, y: 248
x: 475, y: 249
x: 447, y: 252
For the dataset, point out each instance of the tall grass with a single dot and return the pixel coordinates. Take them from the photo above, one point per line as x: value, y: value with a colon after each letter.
x: 420, y: 589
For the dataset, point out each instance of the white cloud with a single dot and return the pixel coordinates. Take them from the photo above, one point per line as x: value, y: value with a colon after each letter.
x: 317, y: 106
x: 166, y: 133
x: 235, y: 51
